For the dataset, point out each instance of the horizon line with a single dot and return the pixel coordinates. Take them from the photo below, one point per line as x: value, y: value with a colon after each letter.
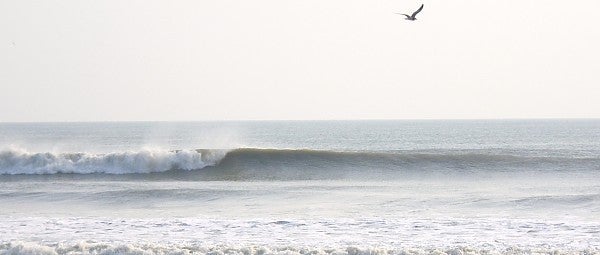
x: 299, y: 120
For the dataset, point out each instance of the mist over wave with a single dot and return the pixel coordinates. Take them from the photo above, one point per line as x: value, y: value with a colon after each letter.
x: 20, y: 161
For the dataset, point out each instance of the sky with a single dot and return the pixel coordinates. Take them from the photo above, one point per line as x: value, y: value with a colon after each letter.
x: 134, y: 60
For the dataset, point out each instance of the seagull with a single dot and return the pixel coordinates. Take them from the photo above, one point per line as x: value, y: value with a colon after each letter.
x: 414, y: 15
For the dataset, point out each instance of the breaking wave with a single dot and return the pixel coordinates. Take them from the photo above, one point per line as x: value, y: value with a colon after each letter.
x: 18, y: 161
x: 26, y: 248
x: 298, y: 162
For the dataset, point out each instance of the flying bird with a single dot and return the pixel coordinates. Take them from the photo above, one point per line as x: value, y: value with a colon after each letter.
x: 414, y: 15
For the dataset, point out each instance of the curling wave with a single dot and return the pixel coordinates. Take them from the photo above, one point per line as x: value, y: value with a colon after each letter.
x: 274, y: 163
x: 19, y: 161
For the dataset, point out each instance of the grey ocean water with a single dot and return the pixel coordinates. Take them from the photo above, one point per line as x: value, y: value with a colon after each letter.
x: 301, y: 187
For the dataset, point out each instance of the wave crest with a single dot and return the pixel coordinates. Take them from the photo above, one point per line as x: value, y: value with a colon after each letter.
x: 19, y: 161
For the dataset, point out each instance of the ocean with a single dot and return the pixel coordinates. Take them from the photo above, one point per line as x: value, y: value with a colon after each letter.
x: 301, y: 187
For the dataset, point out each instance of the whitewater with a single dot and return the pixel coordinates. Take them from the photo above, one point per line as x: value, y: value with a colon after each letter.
x: 301, y: 187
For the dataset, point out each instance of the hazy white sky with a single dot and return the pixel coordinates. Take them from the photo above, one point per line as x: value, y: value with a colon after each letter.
x: 82, y: 60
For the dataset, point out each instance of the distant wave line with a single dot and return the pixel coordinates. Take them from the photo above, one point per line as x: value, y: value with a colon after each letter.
x: 19, y: 161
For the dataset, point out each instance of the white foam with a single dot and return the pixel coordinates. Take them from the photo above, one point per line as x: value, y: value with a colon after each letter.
x: 28, y: 248
x: 30, y: 235
x: 20, y: 161
x: 18, y: 248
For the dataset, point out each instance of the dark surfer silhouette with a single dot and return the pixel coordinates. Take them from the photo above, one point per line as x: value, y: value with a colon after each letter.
x: 414, y: 15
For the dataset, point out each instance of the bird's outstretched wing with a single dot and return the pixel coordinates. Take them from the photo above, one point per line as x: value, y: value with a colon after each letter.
x: 403, y: 14
x: 417, y: 11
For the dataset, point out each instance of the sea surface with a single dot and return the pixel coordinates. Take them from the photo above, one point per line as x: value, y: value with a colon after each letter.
x: 301, y: 187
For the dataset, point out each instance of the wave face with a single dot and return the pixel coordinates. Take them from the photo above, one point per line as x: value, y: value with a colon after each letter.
x: 275, y: 163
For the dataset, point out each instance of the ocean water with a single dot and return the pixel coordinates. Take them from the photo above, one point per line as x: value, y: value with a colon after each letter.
x: 301, y: 187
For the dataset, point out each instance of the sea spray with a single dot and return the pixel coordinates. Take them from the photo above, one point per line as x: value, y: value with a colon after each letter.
x: 20, y: 161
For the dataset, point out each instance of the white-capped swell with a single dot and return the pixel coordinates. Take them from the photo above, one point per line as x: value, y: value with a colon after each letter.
x: 19, y: 161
